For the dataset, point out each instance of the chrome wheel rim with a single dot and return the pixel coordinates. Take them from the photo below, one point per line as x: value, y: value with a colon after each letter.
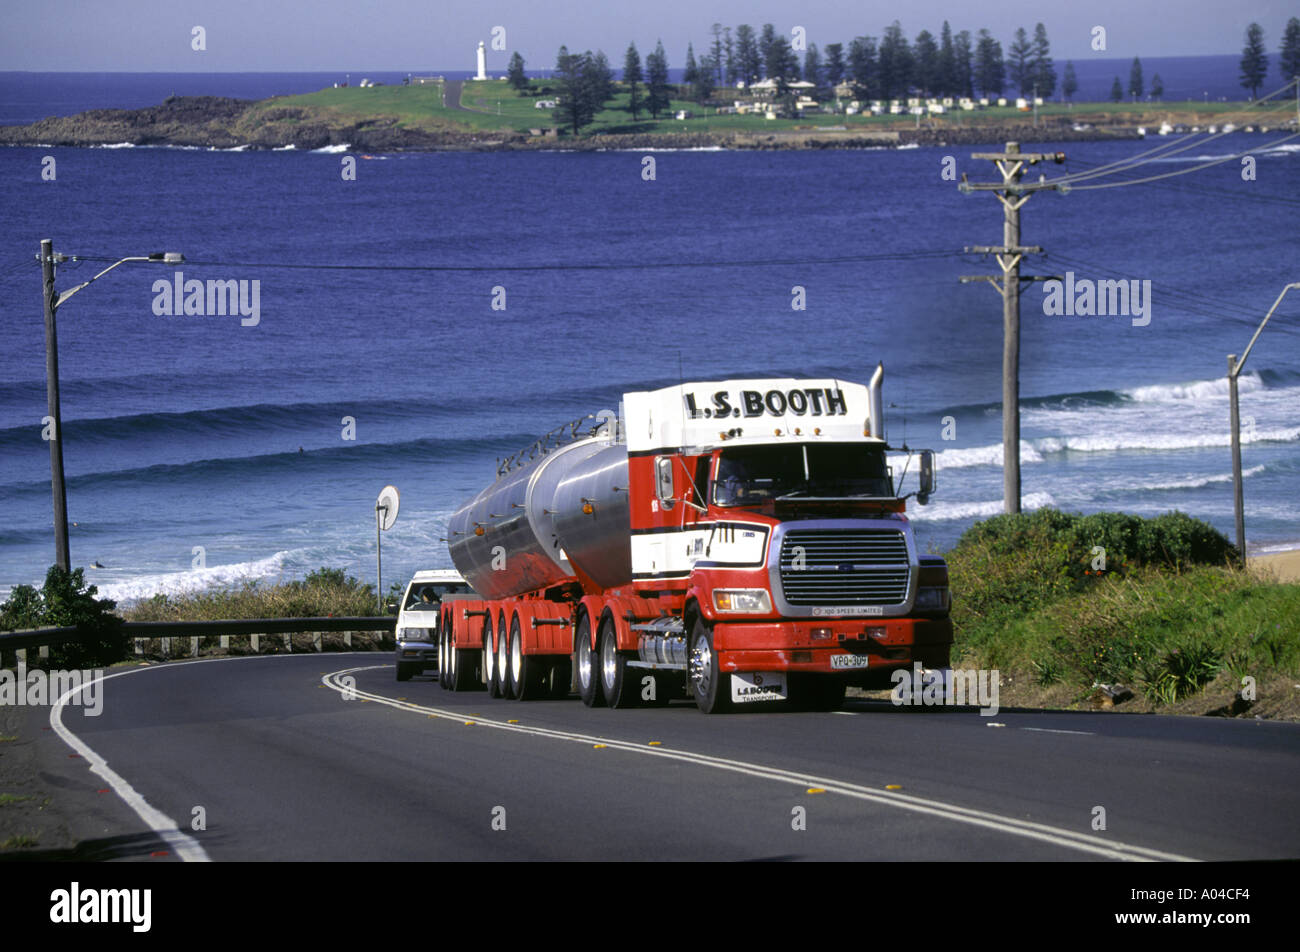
x: 701, y: 665
x: 608, y: 662
x: 516, y: 652
x: 489, y: 656
x: 584, y: 661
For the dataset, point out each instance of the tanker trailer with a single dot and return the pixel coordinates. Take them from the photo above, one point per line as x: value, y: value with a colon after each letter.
x: 743, y: 541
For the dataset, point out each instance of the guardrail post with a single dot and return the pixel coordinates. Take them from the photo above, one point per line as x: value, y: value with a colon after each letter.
x: 347, y: 638
x: 166, y: 647
x: 288, y: 642
x: 43, y: 652
x: 194, y: 647
x: 255, y: 642
x: 139, y: 647
x: 20, y: 658
x: 318, y: 640
x: 225, y: 641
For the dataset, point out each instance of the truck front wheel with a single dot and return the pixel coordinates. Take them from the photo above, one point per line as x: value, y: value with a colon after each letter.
x: 709, y: 686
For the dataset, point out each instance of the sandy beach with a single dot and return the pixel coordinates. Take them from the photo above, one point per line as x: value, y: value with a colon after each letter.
x: 1284, y: 566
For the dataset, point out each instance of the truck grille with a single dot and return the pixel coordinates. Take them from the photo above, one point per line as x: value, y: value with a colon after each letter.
x: 848, y: 567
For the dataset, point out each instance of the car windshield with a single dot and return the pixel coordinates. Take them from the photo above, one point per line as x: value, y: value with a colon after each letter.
x: 751, y: 474
x: 421, y: 598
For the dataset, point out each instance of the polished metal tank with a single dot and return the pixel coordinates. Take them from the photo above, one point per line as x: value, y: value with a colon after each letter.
x: 536, y: 527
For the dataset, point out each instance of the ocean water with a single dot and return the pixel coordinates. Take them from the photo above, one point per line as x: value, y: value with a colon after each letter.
x: 189, y: 432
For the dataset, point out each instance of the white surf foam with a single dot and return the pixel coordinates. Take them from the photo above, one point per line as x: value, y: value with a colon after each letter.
x: 975, y: 510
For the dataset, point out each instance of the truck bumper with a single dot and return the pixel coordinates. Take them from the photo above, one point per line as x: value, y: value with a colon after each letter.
x: 861, y: 650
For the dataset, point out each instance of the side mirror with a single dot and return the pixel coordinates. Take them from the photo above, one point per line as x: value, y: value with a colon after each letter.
x: 664, y: 481
x: 927, y: 477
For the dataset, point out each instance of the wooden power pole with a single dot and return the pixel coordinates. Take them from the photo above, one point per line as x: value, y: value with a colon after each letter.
x: 61, y: 555
x: 1012, y: 194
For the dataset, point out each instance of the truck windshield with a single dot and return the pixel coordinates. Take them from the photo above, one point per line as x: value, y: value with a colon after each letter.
x: 751, y: 474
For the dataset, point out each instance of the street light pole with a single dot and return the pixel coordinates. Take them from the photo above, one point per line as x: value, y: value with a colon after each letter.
x: 52, y: 301
x: 55, y: 422
x: 1234, y: 371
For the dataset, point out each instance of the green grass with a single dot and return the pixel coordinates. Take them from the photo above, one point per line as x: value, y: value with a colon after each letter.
x: 19, y: 842
x: 323, y: 593
x: 1168, y: 615
x: 8, y: 798
x: 491, y: 105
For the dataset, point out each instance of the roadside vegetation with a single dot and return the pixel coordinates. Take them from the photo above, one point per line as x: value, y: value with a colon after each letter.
x: 323, y: 593
x: 1065, y: 603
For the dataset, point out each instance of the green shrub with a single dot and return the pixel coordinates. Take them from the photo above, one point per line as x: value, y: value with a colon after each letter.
x: 65, y: 602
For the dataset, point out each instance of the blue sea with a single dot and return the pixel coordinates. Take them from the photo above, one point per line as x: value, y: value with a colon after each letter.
x: 189, y: 432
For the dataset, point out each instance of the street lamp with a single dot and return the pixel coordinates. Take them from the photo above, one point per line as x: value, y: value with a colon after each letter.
x: 53, y: 301
x: 1234, y: 371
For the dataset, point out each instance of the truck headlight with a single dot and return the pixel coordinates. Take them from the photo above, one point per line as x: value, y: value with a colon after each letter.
x: 931, y: 599
x: 753, y: 601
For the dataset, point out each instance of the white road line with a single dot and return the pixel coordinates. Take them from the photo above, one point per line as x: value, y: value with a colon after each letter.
x: 1058, y: 836
x: 1048, y: 730
x: 182, y: 844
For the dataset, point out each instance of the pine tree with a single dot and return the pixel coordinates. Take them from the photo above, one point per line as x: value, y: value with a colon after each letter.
x: 925, y: 59
x: 632, y: 75
x: 515, y: 75
x: 947, y: 81
x: 834, y: 63
x: 1116, y: 91
x: 990, y: 71
x: 862, y: 67
x: 573, y: 73
x: 748, y: 60
x: 1289, y: 61
x: 766, y: 40
x: 1070, y: 84
x: 703, y: 86
x: 731, y: 74
x: 691, y: 74
x: 715, y: 55
x: 1157, y: 87
x: 812, y: 67
x: 1018, y: 61
x: 1044, y: 72
x: 1254, y: 61
x: 962, y: 68
x: 895, y: 68
x: 1135, y: 87
x: 658, y: 98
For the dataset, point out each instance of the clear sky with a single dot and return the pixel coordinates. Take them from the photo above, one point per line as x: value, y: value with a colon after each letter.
x: 417, y: 35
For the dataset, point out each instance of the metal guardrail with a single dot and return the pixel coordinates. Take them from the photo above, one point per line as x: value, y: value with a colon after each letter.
x: 194, y: 630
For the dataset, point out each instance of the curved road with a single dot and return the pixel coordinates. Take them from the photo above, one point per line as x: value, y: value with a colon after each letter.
x: 284, y: 757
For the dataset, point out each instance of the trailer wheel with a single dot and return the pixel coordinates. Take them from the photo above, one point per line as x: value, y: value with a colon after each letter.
x: 585, y: 661
x: 709, y: 686
x: 443, y: 639
x: 505, y: 674
x: 490, y: 660
x: 619, y: 689
x: 464, y: 670
x: 526, y: 671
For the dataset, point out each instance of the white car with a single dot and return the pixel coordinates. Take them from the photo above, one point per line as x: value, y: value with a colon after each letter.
x: 417, y: 620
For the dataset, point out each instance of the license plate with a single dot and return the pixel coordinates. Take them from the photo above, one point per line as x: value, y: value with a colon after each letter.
x: 758, y: 686
x: 841, y: 661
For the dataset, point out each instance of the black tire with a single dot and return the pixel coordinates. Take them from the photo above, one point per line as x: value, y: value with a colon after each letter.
x: 405, y: 670
x: 504, y: 675
x: 527, y: 671
x: 490, y: 660
x: 711, y: 694
x: 617, y: 683
x: 585, y: 665
x: 444, y: 656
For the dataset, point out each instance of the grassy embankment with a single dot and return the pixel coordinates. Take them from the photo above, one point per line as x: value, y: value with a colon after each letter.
x: 496, y: 107
x: 1169, y: 617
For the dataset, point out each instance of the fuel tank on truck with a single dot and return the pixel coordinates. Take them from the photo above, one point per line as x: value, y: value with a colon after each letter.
x: 536, y: 528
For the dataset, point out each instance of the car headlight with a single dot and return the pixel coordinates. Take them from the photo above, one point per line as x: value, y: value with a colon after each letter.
x: 414, y: 634
x: 753, y: 601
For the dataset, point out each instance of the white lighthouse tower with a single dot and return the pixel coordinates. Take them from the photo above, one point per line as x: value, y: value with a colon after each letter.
x: 482, y: 61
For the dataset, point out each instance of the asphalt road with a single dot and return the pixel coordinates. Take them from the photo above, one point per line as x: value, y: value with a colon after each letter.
x: 283, y: 764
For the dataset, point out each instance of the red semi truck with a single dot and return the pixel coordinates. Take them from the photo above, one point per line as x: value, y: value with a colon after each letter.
x: 741, y: 540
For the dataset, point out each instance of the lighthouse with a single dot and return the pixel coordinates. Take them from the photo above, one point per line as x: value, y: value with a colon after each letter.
x: 482, y: 61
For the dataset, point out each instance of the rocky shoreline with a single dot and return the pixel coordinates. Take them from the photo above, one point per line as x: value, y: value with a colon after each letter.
x: 213, y: 122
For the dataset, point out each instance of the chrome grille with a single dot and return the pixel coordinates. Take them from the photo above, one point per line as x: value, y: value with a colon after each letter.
x: 845, y: 567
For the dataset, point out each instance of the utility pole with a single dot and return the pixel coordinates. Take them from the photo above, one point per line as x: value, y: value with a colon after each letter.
x: 1234, y: 371
x: 62, y: 558
x: 1012, y: 195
